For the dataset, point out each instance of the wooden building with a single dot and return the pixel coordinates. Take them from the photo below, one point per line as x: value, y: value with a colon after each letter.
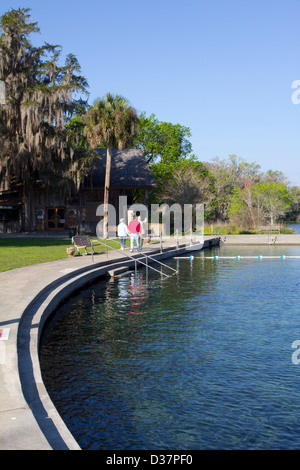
x: 48, y: 212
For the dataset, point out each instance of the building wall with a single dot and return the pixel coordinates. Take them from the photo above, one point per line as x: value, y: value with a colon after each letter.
x: 51, y: 213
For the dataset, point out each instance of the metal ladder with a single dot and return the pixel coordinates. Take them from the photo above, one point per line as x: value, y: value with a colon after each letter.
x: 137, y: 260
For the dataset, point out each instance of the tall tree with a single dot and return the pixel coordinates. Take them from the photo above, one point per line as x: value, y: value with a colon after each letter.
x: 275, y: 199
x: 231, y: 176
x: 294, y: 211
x: 162, y: 141
x: 110, y: 123
x: 260, y: 202
x: 189, y: 183
x: 166, y: 148
x: 34, y: 143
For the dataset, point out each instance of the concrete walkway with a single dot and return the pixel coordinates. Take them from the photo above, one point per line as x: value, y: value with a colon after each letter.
x: 28, y: 418
x: 264, y: 239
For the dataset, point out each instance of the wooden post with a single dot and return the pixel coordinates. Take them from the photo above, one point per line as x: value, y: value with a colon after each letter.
x: 106, y: 191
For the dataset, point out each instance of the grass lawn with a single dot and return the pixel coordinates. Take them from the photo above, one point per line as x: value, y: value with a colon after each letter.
x: 18, y: 252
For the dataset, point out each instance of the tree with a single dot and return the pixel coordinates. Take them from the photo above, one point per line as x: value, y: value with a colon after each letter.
x: 275, y: 199
x: 231, y: 176
x: 223, y: 187
x: 188, y: 184
x: 294, y: 210
x: 162, y: 141
x: 246, y: 207
x: 184, y: 182
x: 110, y: 123
x: 165, y: 146
x: 275, y: 177
x: 261, y: 201
x: 242, y: 172
x: 34, y: 143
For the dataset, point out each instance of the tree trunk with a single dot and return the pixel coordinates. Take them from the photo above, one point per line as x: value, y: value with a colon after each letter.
x: 106, y: 191
x: 26, y: 215
x: 146, y: 198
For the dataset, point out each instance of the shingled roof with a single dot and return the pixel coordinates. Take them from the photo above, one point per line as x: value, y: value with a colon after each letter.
x: 129, y: 170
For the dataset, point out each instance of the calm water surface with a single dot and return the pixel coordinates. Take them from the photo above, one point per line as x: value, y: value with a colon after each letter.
x: 295, y: 227
x: 201, y: 360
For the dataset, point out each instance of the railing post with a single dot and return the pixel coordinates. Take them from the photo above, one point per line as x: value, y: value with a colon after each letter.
x: 139, y: 261
x: 160, y: 241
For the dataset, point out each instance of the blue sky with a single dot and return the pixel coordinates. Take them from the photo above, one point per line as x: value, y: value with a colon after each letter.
x: 223, y: 68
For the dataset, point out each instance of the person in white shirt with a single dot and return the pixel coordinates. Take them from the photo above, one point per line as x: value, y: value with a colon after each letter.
x: 122, y: 233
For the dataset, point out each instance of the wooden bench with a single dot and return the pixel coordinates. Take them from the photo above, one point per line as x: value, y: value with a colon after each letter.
x: 83, y: 241
x: 269, y: 229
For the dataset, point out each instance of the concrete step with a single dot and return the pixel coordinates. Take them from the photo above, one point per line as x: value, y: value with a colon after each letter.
x: 118, y: 272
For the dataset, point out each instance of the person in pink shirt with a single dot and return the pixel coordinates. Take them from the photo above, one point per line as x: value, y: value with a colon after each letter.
x: 134, y: 228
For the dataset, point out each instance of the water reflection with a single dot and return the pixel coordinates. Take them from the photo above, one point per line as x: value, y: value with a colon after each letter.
x: 201, y: 360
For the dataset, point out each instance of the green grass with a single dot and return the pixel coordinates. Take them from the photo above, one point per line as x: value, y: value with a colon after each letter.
x: 18, y: 252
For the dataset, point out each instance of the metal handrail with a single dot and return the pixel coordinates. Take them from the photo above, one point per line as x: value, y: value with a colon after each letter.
x: 163, y: 264
x: 138, y: 260
x: 218, y: 230
x: 153, y: 259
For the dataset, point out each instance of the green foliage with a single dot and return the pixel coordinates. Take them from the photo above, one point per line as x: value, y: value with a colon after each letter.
x: 248, y: 197
x: 39, y: 102
x: 164, y: 173
x: 229, y: 175
x: 275, y: 198
x: 167, y: 150
x: 188, y: 184
x: 42, y: 123
x: 237, y: 205
x: 259, y: 203
x: 294, y: 210
x: 34, y: 140
x: 75, y: 128
x: 287, y: 231
x: 111, y: 122
x: 162, y: 141
x: 16, y: 24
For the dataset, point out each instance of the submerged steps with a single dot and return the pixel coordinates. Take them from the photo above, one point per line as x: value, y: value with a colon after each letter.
x: 119, y: 272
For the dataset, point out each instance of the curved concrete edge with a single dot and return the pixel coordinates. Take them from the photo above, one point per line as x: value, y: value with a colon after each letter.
x: 48, y: 419
x: 40, y: 427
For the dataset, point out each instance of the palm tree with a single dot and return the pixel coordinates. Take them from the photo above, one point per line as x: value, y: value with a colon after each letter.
x: 110, y: 123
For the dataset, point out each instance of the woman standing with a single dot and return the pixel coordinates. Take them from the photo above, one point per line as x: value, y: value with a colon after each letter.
x: 122, y: 233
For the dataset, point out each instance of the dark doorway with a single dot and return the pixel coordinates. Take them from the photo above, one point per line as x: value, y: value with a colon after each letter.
x: 56, y: 218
